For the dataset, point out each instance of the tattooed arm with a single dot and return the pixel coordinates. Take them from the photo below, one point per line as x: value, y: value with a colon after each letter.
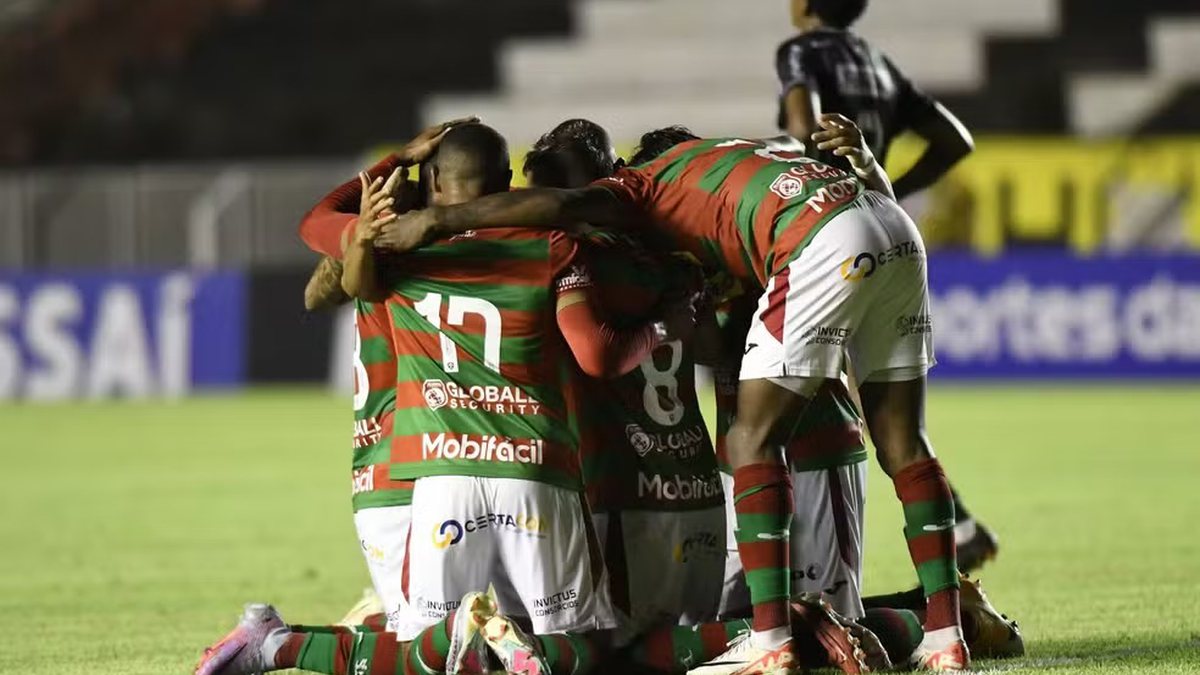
x: 324, y: 289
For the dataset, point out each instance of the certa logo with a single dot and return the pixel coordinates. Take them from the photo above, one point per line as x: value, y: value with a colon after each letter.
x: 448, y: 533
x: 859, y: 267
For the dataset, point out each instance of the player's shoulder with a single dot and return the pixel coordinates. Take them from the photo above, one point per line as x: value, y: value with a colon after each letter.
x: 812, y: 41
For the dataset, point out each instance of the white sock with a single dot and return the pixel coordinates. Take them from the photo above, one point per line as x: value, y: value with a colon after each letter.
x: 770, y: 639
x: 942, y: 637
x: 963, y: 531
x: 271, y: 645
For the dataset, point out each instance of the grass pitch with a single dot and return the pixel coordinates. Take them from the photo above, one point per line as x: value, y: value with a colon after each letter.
x: 134, y: 531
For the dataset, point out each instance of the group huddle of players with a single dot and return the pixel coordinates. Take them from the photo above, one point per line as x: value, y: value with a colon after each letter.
x: 534, y: 487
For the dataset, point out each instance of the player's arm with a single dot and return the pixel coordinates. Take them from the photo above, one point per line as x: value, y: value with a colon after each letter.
x: 843, y: 137
x: 801, y: 110
x: 947, y: 138
x: 328, y: 227
x: 600, y: 348
x: 536, y: 207
x: 324, y: 288
x: 360, y: 275
x: 948, y: 142
x: 800, y: 106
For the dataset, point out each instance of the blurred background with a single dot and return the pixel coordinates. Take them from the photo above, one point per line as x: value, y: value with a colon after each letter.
x: 158, y: 156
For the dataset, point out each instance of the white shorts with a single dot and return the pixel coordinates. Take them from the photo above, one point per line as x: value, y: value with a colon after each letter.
x: 667, y: 566
x: 533, y: 542
x: 826, y: 539
x: 859, y: 288
x: 383, y: 535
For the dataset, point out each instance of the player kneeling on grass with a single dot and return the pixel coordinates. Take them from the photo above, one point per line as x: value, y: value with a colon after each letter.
x: 836, y: 257
x: 663, y: 542
x: 484, y: 326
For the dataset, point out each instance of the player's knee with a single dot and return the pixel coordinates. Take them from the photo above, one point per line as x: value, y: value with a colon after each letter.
x: 746, y: 443
x: 900, y: 451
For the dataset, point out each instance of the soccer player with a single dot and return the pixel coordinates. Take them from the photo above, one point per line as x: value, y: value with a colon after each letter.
x: 649, y: 466
x: 658, y: 573
x: 828, y: 68
x: 822, y: 244
x: 483, y: 324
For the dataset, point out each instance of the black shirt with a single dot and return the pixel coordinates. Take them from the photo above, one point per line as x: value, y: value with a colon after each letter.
x: 854, y: 79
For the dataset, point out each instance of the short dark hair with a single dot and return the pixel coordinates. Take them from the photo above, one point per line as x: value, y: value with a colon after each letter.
x: 546, y: 167
x: 837, y: 13
x: 655, y: 143
x: 586, y: 144
x: 475, y: 151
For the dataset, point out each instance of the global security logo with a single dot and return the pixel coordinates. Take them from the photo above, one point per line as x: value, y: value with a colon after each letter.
x: 451, y: 531
x: 863, y: 265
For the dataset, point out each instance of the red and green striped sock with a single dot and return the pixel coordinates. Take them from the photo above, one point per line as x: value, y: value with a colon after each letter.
x: 431, y: 648
x: 929, y: 529
x: 762, y: 499
x: 567, y: 654
x: 335, y: 650
x: 676, y: 649
x: 899, y: 630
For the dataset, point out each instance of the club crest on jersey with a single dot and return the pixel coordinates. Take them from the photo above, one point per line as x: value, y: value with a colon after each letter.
x: 435, y: 394
x: 639, y: 439
x: 787, y: 185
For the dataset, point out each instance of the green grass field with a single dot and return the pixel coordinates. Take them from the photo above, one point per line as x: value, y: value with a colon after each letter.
x: 133, y: 532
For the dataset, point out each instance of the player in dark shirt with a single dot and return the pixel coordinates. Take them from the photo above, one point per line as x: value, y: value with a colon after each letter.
x: 828, y: 69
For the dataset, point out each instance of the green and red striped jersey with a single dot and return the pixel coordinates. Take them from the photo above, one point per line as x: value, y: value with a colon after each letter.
x: 374, y: 402
x: 484, y: 379
x: 645, y: 444
x: 740, y: 207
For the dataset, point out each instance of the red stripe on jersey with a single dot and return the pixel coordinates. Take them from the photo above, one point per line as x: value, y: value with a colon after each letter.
x: 773, y: 315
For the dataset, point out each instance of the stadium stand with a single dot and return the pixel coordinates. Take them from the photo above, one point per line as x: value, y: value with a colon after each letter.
x: 222, y: 78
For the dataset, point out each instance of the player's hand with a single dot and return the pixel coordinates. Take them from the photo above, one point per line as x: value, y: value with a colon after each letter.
x: 679, y: 319
x: 375, y: 206
x: 421, y: 148
x: 843, y: 137
x: 408, y: 231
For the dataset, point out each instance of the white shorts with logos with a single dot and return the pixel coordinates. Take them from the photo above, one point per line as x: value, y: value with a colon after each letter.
x: 383, y: 535
x: 858, y: 288
x: 826, y: 540
x: 667, y: 566
x: 533, y: 542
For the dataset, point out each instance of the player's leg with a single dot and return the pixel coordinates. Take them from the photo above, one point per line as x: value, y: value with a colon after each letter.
x: 675, y: 562
x: 451, y: 554
x: 762, y: 498
x: 383, y: 534
x: 552, y: 560
x: 827, y: 535
x: 891, y: 350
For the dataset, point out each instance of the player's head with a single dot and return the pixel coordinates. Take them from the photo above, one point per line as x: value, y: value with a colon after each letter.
x: 655, y: 143
x: 471, y: 161
x: 832, y: 13
x: 547, y: 168
x: 586, y: 148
